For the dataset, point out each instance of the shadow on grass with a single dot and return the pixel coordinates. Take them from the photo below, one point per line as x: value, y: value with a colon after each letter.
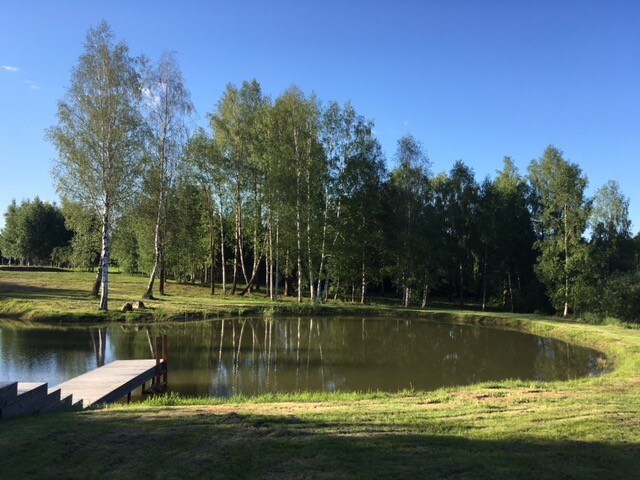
x: 32, y: 292
x: 204, y: 445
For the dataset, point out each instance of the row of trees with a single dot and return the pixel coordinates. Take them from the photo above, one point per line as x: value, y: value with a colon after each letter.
x: 294, y: 195
x: 35, y: 233
x: 121, y: 126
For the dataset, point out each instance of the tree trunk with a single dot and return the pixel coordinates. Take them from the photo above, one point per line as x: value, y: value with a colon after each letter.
x: 268, y: 268
x: 276, y: 282
x: 363, y: 286
x: 325, y: 293
x: 257, y: 256
x: 272, y: 295
x: 95, y: 291
x: 461, y: 276
x: 105, y: 257
x: 566, y: 264
x: 510, y: 292
x: 322, y: 248
x: 234, y: 283
x: 157, y: 242
x: 212, y: 250
x: 288, y: 279
x: 163, y: 271
x: 484, y: 281
x: 328, y: 265
x: 425, y: 296
x: 156, y: 264
x: 253, y: 279
x: 298, y: 226
x: 223, y: 260
x: 239, y: 239
x: 312, y: 294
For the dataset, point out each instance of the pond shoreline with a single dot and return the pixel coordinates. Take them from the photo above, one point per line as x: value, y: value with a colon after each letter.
x: 583, y: 428
x: 256, y: 355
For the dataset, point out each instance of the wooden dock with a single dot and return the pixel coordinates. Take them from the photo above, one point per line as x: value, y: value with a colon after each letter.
x: 105, y: 384
x: 109, y: 383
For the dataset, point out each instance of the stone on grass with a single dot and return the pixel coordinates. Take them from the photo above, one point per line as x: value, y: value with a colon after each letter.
x: 139, y: 305
x: 127, y: 307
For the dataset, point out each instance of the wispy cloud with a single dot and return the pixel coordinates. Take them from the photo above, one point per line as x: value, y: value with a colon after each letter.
x: 406, y: 123
x: 33, y: 85
x: 9, y: 68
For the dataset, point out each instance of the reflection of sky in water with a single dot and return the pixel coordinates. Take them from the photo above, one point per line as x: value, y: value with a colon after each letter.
x: 251, y: 356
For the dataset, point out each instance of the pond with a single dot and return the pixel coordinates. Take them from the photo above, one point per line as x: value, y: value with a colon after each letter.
x: 253, y: 356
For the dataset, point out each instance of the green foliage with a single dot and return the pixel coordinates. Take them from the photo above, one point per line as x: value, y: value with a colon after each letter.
x: 33, y: 230
x: 85, y: 225
x: 561, y: 217
x: 99, y: 136
x: 126, y: 250
x: 408, y: 191
x: 294, y: 193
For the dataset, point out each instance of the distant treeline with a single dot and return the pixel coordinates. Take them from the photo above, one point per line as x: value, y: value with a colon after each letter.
x: 294, y: 195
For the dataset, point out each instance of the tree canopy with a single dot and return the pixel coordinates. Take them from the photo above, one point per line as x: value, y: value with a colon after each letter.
x: 295, y: 195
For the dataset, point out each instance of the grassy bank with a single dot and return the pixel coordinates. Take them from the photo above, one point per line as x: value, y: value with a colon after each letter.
x: 59, y: 296
x: 584, y: 429
x: 63, y: 296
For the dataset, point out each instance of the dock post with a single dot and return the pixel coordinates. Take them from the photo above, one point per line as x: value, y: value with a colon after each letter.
x: 158, y: 356
x: 165, y: 357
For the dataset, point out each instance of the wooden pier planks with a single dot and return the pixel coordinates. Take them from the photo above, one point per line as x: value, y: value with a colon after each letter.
x: 110, y: 382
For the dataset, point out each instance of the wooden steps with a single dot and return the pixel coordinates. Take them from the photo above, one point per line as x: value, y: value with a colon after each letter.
x: 105, y: 384
x: 25, y: 398
x: 8, y: 391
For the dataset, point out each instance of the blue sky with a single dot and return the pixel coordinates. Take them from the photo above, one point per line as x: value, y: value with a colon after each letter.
x: 472, y: 80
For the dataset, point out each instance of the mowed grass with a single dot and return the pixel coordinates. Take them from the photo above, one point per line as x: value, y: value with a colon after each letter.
x: 508, y: 430
x: 64, y: 296
x: 584, y: 429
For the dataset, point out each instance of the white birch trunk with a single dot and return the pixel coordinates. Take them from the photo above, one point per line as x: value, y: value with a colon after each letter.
x: 223, y: 259
x: 105, y: 258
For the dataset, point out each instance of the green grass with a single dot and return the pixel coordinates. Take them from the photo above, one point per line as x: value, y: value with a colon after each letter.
x: 584, y: 429
x: 64, y: 297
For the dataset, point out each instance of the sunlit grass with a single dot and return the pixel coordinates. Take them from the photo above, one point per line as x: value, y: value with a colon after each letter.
x: 64, y: 296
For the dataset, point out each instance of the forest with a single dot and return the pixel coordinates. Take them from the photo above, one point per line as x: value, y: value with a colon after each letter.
x: 291, y: 195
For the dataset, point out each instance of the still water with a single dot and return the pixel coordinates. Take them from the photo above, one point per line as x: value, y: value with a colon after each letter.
x: 252, y: 356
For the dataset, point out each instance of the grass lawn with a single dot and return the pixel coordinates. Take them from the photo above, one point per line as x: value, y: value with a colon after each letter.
x: 582, y: 429
x: 64, y: 296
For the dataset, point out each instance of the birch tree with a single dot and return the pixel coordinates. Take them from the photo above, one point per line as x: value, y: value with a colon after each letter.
x: 562, y: 218
x: 235, y: 125
x: 296, y: 144
x: 209, y: 169
x: 358, y: 255
x: 337, y: 134
x: 167, y: 103
x: 408, y: 185
x: 98, y: 136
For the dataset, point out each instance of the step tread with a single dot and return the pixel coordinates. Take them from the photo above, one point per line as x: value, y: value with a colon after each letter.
x: 26, y: 387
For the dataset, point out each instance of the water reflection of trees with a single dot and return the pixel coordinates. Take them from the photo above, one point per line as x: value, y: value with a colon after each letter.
x: 49, y: 354
x: 253, y: 356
